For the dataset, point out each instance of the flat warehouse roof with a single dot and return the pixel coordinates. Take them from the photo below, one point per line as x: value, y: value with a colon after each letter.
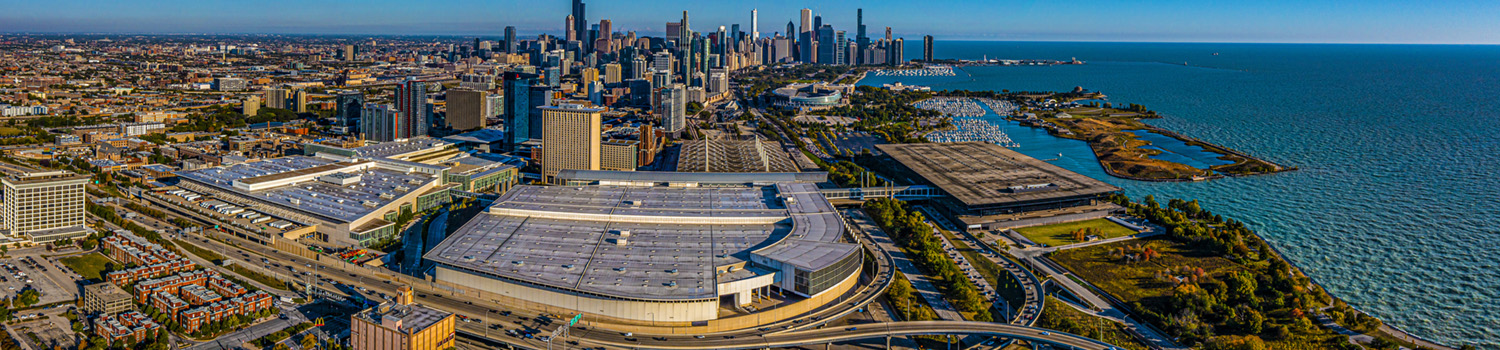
x: 978, y: 173
x: 574, y: 237
x: 333, y: 202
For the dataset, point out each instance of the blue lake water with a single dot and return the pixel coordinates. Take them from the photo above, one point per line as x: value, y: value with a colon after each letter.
x: 1396, y: 207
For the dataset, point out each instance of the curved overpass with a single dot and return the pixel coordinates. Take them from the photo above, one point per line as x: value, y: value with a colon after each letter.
x: 866, y: 331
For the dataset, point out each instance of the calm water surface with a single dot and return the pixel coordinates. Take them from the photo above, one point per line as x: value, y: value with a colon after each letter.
x: 1397, y: 206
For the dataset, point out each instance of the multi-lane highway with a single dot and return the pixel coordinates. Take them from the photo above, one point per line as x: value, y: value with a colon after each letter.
x: 875, y: 331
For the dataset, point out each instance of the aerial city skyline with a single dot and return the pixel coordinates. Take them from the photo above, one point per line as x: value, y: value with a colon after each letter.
x: 382, y: 175
x: 1385, y: 21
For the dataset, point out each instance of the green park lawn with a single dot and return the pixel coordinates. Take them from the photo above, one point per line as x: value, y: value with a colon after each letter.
x: 1136, y: 282
x: 90, y: 266
x: 1062, y: 234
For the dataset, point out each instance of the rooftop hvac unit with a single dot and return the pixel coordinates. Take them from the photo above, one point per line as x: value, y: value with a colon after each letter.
x: 294, y: 201
x: 384, y: 195
x: 620, y: 241
x: 371, y: 204
x: 624, y: 233
x: 403, y: 188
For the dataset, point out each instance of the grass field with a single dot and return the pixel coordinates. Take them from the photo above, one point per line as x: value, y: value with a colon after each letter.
x: 90, y: 266
x: 1062, y: 234
x: 9, y: 131
x: 1132, y: 282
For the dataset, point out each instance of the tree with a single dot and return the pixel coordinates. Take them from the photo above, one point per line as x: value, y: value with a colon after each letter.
x: 309, y: 342
x: 1231, y: 342
x: 28, y: 297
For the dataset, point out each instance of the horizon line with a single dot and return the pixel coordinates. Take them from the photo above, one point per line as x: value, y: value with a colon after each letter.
x: 917, y: 39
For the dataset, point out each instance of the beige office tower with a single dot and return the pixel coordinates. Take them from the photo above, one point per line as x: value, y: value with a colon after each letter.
x: 43, y: 206
x: 611, y: 73
x: 570, y: 139
x: 467, y: 109
x: 589, y: 75
x: 251, y: 105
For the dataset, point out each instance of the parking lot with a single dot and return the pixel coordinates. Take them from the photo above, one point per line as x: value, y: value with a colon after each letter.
x: 19, y: 273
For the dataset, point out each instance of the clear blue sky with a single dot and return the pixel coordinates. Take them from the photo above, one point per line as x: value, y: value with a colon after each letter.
x: 1289, y: 21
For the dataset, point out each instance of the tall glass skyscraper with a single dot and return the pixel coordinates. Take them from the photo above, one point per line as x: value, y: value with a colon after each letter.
x: 347, y: 110
x: 510, y: 40
x: 517, y: 109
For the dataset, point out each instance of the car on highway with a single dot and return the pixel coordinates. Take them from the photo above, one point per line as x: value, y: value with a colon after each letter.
x: 851, y: 328
x: 698, y: 337
x: 628, y: 334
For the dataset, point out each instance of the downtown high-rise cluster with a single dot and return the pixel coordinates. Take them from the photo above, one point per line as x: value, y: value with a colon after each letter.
x: 593, y: 64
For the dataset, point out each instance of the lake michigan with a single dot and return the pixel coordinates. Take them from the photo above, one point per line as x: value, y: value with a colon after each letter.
x: 1396, y: 208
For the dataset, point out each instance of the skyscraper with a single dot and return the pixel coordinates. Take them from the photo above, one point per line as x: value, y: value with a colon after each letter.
x: 684, y: 31
x: 580, y: 21
x: 754, y: 25
x: 805, y: 38
x: 570, y: 29
x: 861, y: 42
x: 510, y: 40
x: 517, y: 109
x: 411, y: 100
x: 347, y: 109
x: 467, y: 109
x: 927, y: 48
x: 827, y: 45
x: 541, y: 96
x: 571, y: 139
x: 897, y: 52
x: 672, y: 105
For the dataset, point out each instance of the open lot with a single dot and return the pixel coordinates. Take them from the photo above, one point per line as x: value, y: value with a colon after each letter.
x: 1062, y: 234
x: 52, y: 284
x: 91, y: 266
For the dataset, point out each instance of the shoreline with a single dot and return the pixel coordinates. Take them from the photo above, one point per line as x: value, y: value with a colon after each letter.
x: 1215, y: 174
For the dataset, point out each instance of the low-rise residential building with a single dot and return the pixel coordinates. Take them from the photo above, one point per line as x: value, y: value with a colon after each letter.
x: 129, y: 326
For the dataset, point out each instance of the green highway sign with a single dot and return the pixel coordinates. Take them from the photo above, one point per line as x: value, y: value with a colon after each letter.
x: 575, y: 320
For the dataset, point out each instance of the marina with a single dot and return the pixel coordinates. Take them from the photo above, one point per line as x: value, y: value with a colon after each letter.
x: 972, y: 130
x: 968, y: 119
x: 928, y: 71
x: 952, y: 106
